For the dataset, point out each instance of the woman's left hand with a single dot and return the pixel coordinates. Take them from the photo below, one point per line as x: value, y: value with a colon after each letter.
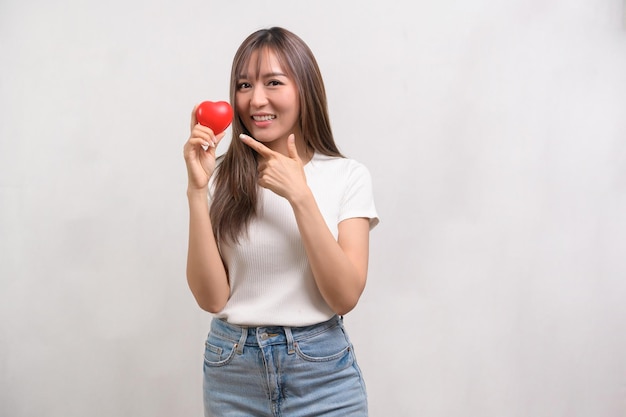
x: 281, y: 174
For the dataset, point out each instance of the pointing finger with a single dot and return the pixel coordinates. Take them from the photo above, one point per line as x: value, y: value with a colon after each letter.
x: 257, y: 146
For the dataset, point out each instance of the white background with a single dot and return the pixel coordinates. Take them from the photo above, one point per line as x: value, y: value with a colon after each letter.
x: 496, y: 136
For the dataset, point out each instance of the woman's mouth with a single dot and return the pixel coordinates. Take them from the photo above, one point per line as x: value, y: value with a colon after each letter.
x: 263, y: 118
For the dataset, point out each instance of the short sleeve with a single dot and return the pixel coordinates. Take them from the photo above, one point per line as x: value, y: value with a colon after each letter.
x: 358, y: 198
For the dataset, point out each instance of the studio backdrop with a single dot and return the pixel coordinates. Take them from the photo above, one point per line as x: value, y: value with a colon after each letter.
x: 495, y: 133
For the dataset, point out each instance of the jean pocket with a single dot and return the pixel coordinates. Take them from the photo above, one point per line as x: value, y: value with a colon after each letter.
x: 218, y: 351
x: 324, y: 347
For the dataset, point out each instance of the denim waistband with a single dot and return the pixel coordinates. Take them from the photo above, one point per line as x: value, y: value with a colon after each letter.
x: 269, y: 335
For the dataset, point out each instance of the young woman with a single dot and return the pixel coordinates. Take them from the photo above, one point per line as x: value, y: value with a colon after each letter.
x: 278, y: 252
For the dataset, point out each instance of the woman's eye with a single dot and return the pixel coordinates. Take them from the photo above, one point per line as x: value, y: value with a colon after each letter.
x: 241, y: 86
x: 274, y: 83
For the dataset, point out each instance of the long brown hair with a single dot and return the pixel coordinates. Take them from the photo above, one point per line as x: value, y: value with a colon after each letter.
x: 235, y: 197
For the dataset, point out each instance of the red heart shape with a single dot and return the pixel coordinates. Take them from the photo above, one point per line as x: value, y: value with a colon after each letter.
x: 215, y: 115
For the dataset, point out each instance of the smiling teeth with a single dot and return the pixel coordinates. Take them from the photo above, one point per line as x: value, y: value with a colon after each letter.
x: 263, y: 118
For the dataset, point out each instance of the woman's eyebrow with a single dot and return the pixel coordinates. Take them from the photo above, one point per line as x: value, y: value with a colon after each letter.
x: 265, y: 75
x: 273, y: 74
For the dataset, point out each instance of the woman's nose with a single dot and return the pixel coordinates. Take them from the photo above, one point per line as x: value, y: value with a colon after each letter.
x: 259, y: 99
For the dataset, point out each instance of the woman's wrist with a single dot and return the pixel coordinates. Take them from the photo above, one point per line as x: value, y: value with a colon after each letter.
x: 304, y: 197
x: 196, y: 193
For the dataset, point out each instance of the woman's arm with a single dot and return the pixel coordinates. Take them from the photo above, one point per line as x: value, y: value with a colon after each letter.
x: 206, y: 274
x: 339, y: 266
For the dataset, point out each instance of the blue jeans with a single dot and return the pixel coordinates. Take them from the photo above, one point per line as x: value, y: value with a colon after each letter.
x: 282, y: 371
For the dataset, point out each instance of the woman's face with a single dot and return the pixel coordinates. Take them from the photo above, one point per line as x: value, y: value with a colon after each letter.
x: 267, y: 101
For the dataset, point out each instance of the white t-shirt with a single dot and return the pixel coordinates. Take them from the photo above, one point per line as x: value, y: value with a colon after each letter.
x: 270, y: 278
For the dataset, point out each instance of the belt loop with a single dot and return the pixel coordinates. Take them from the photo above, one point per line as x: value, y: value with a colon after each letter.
x: 290, y: 343
x: 242, y: 340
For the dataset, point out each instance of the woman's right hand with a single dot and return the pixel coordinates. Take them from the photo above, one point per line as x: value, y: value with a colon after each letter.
x: 199, y: 152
